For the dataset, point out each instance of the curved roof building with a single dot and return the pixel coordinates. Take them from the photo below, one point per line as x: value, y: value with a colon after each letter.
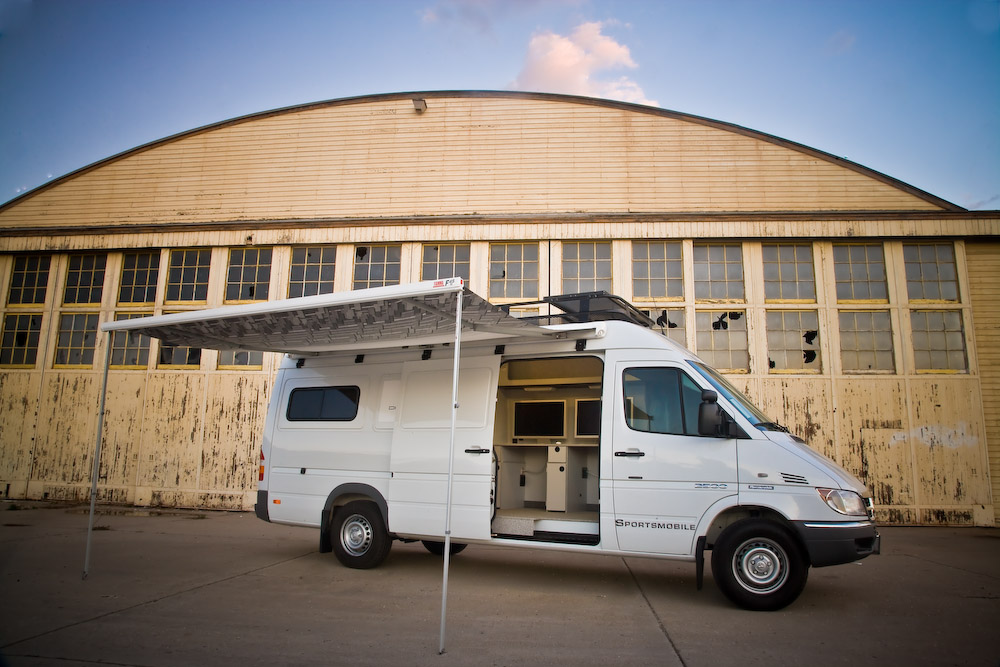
x: 858, y: 310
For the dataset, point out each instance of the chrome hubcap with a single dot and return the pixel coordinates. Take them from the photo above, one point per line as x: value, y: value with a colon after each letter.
x: 760, y: 565
x: 356, y: 535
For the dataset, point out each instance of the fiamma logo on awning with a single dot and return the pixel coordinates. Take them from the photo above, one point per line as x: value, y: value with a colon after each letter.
x: 448, y: 282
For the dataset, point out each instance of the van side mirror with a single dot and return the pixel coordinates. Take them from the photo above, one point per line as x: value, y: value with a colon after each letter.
x: 712, y: 420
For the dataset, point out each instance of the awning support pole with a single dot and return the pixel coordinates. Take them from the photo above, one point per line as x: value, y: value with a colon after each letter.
x: 451, y: 466
x: 97, y: 454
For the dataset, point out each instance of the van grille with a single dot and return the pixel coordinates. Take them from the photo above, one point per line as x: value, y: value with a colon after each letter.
x: 793, y: 479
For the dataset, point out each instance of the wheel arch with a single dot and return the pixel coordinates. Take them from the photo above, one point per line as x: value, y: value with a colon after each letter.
x: 730, y: 515
x: 341, y: 495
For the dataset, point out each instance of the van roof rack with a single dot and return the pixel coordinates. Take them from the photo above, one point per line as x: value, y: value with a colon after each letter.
x: 585, y: 307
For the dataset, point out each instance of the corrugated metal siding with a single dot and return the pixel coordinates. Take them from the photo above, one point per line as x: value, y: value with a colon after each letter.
x: 984, y: 289
x: 463, y: 155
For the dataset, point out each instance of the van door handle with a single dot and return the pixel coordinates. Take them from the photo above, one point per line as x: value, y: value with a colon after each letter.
x: 477, y: 450
x: 635, y: 453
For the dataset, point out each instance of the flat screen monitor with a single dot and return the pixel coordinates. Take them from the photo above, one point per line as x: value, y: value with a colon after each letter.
x: 588, y: 418
x: 539, y: 419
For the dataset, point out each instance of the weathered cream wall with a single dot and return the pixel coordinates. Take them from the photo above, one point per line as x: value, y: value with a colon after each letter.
x: 984, y: 288
x: 180, y: 438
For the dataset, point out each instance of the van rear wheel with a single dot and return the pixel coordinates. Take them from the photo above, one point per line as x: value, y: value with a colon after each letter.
x: 759, y: 565
x: 437, y: 548
x: 359, y: 536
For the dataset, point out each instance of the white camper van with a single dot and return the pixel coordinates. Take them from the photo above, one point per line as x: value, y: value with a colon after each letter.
x: 584, y: 431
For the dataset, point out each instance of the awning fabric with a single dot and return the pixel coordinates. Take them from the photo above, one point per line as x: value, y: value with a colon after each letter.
x: 415, y: 314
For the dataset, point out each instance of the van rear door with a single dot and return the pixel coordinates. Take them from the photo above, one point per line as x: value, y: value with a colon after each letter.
x: 419, y: 458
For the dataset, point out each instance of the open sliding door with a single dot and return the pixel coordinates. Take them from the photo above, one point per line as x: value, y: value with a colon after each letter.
x: 419, y: 459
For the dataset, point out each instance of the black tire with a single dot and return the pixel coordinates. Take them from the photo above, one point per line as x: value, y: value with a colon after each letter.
x: 759, y: 565
x: 358, y: 535
x: 437, y: 548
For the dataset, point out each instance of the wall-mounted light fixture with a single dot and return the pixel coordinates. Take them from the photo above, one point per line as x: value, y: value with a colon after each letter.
x: 419, y: 105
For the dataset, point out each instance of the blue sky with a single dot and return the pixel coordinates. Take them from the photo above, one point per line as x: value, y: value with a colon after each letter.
x: 910, y: 88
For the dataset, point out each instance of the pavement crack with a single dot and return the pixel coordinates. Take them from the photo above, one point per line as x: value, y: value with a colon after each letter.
x: 155, y: 600
x: 659, y: 621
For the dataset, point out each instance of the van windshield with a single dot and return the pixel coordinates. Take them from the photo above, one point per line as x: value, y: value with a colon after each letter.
x: 736, y: 397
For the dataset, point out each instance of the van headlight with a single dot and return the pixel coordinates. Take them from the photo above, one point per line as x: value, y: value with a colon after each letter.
x: 844, y: 502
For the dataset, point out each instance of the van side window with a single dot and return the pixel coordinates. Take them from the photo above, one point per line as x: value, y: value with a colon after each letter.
x: 336, y: 404
x: 661, y: 400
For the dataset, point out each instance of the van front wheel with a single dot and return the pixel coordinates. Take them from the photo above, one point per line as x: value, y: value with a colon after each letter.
x: 759, y: 565
x: 359, y: 536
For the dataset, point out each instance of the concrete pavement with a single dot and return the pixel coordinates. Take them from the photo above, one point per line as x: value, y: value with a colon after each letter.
x: 217, y: 588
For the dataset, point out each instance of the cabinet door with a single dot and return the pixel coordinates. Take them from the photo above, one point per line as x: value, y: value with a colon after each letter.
x: 664, y: 475
x: 418, y: 487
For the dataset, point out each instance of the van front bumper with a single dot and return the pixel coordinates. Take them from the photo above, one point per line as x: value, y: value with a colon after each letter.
x: 836, y: 542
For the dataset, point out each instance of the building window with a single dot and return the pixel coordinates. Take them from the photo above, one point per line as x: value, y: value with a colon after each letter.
x: 312, y: 271
x: 586, y: 267
x: 129, y: 349
x: 187, y: 275
x: 938, y: 340
x: 139, y: 275
x: 76, y: 340
x: 859, y: 270
x: 788, y: 273
x: 376, y: 265
x: 657, y: 270
x: 513, y: 270
x: 85, y: 279
x: 930, y: 271
x: 29, y: 279
x: 240, y: 360
x: 180, y: 357
x: 445, y: 261
x: 793, y: 341
x: 866, y: 341
x: 671, y: 323
x: 19, y: 339
x: 249, y: 274
x: 721, y: 337
x: 718, y: 271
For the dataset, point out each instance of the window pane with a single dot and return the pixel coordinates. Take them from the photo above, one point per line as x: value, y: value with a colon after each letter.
x: 376, y: 265
x: 84, y: 279
x: 513, y: 270
x: 187, y: 275
x: 586, y: 267
x: 722, y: 339
x: 793, y: 341
x: 249, y: 274
x: 931, y: 274
x: 938, y: 339
x: 445, y: 261
x: 718, y: 272
x: 866, y: 341
x: 76, y: 339
x: 788, y: 273
x: 657, y: 270
x: 139, y: 275
x: 312, y: 271
x: 860, y: 272
x: 129, y: 349
x: 19, y: 339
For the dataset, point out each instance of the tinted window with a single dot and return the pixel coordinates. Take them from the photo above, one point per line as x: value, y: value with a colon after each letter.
x: 661, y: 400
x: 323, y: 404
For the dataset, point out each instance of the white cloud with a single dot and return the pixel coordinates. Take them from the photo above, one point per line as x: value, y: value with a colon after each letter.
x: 560, y: 64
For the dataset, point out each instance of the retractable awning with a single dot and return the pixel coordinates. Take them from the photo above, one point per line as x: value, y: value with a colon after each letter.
x: 430, y: 312
x: 417, y: 314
